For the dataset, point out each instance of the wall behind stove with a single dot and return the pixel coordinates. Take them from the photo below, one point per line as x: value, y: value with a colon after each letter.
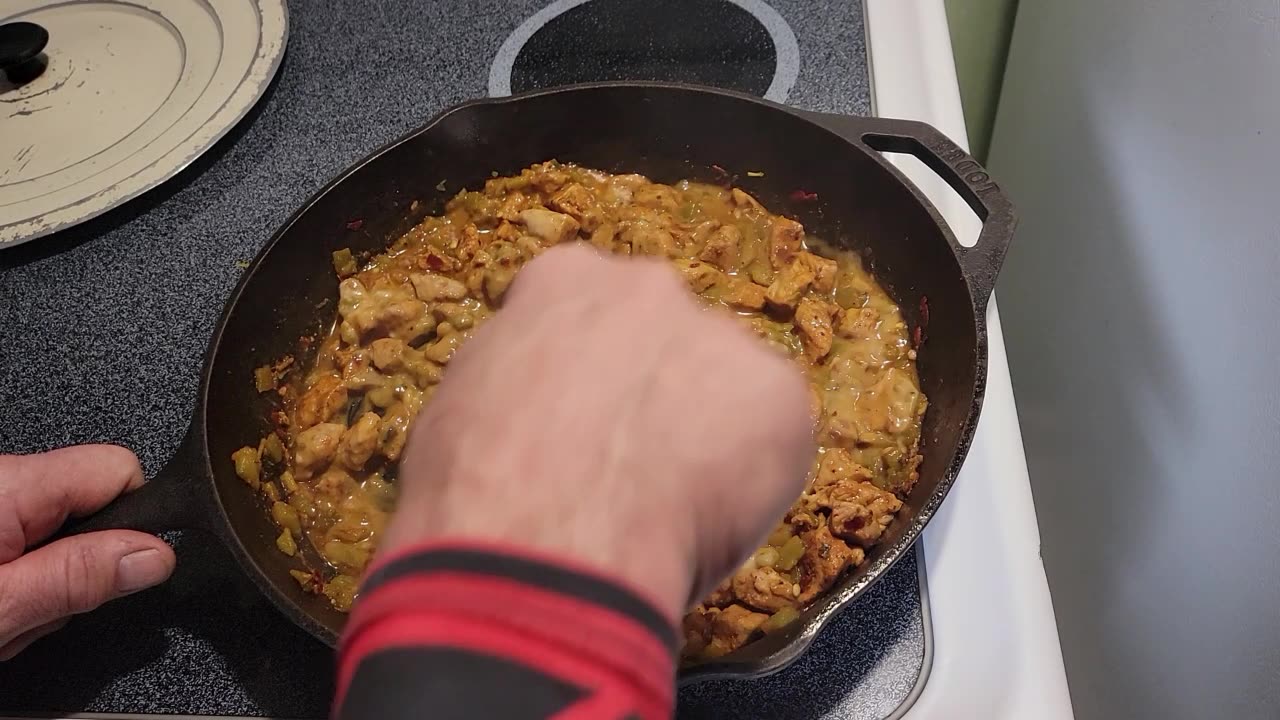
x: 1141, y: 309
x: 980, y: 32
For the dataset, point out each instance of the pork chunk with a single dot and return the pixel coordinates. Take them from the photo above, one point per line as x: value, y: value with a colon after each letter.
x: 722, y: 246
x: 551, y: 226
x: 764, y: 588
x: 325, y: 398
x: 430, y: 287
x: 860, y: 511
x: 837, y: 465
x: 789, y: 285
x: 826, y: 557
x: 315, y: 447
x: 813, y: 321
x: 360, y: 441
x: 786, y: 240
x: 824, y: 271
x: 858, y: 324
x: 731, y: 628
x: 742, y: 294
x: 647, y: 239
x: 578, y: 202
x: 699, y: 275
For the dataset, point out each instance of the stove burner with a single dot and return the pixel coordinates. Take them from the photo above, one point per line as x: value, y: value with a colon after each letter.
x: 742, y: 45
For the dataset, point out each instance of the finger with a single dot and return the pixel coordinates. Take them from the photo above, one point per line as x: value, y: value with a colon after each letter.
x: 38, y: 492
x: 23, y: 641
x: 77, y: 574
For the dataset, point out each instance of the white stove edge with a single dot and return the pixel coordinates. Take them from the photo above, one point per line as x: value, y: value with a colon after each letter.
x: 994, y: 645
x: 995, y: 642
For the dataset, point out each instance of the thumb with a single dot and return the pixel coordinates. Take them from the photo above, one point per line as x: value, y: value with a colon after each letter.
x: 77, y: 574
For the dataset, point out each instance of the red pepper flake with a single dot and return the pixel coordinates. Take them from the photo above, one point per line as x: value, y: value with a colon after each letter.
x: 924, y: 311
x: 804, y: 196
x: 435, y: 262
x: 917, y: 337
x: 355, y: 224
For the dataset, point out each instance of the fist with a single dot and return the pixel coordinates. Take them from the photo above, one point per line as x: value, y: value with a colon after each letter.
x: 606, y: 417
x: 41, y: 589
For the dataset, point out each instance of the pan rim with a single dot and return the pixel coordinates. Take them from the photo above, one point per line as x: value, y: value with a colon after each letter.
x: 835, y: 599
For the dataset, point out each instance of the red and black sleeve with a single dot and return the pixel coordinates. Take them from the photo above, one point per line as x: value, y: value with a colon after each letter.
x: 475, y: 631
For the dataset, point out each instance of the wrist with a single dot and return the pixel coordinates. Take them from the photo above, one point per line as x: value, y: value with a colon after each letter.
x: 651, y: 563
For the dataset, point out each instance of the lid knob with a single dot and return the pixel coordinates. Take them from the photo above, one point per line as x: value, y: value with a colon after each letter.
x: 21, y: 51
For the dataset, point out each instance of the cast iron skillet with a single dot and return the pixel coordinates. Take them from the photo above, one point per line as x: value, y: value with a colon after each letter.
x: 667, y: 132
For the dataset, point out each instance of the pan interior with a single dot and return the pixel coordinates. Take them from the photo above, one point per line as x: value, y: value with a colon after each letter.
x: 663, y: 132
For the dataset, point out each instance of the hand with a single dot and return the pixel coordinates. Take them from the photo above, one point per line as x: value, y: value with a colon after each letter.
x: 41, y: 589
x: 604, y: 416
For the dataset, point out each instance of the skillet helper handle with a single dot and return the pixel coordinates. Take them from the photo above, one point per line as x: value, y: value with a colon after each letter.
x: 165, y: 502
x: 980, y: 263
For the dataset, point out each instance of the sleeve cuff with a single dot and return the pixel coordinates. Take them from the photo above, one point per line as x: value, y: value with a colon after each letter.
x: 570, y: 622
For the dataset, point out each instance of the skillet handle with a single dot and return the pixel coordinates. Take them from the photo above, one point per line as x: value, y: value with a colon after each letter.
x: 980, y: 263
x: 167, y: 501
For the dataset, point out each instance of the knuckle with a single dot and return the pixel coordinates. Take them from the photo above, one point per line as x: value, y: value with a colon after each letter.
x: 13, y: 538
x: 79, y: 587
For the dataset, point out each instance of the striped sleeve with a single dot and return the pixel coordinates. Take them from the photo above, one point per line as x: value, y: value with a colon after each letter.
x: 477, y: 631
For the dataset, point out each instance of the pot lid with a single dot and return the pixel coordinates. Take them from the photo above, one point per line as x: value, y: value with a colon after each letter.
x: 101, y: 100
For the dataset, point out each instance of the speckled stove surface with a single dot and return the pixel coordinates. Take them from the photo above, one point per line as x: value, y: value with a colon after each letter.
x: 102, y: 328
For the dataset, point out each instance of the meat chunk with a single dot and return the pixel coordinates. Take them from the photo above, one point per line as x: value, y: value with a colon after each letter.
x: 500, y: 271
x: 696, y: 628
x: 722, y: 247
x: 837, y: 465
x: 547, y: 176
x: 578, y: 202
x: 605, y: 237
x: 731, y: 628
x: 387, y: 354
x: 742, y: 294
x: 824, y: 271
x: 722, y: 595
x: 469, y: 245
x: 530, y: 245
x: 699, y: 275
x: 386, y: 310
x: 789, y: 285
x: 551, y: 226
x: 358, y: 373
x: 764, y: 588
x: 430, y: 287
x: 786, y: 240
x: 813, y: 321
x: 326, y: 397
x: 658, y: 197
x: 860, y: 511
x: 826, y: 557
x: 513, y: 205
x: 507, y: 231
x: 859, y: 324
x: 335, y: 483
x: 648, y: 239
x: 360, y: 441
x: 314, y: 448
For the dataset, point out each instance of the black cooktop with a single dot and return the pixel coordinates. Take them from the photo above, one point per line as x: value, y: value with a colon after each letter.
x: 142, y: 287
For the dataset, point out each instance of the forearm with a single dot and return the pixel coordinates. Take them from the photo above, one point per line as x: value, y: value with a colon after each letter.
x: 471, y: 630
